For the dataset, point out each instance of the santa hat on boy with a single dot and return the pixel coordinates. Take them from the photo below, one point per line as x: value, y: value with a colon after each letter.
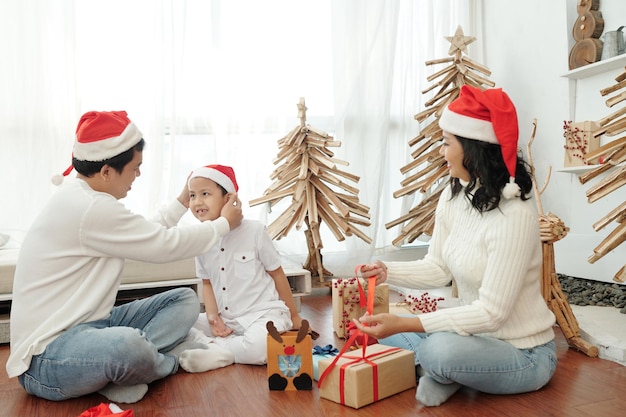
x: 221, y: 174
x: 101, y: 135
x: 489, y: 116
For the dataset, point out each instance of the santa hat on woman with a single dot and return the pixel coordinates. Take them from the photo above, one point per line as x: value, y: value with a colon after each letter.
x: 101, y: 135
x: 220, y: 174
x: 489, y: 116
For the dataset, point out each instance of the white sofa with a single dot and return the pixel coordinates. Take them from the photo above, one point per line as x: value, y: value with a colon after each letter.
x: 137, y: 275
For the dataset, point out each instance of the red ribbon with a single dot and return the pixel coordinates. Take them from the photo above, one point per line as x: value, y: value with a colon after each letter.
x: 371, y: 286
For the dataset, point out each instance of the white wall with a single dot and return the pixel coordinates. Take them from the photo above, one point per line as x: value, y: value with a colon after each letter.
x: 526, y: 46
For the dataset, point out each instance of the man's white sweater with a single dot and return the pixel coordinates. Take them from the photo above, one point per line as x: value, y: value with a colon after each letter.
x: 71, y: 261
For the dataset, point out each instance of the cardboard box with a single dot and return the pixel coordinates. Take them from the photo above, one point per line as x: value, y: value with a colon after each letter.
x: 395, y: 373
x: 289, y: 359
x: 579, y: 140
x: 346, y: 302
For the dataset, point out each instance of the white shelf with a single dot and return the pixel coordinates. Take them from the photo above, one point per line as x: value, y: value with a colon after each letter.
x: 584, y: 168
x: 597, y: 68
x: 299, y: 281
x: 578, y: 169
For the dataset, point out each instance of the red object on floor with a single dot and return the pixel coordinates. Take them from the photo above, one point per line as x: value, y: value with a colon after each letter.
x: 103, y: 410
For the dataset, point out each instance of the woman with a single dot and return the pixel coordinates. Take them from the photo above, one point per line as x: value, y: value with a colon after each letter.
x: 499, y: 340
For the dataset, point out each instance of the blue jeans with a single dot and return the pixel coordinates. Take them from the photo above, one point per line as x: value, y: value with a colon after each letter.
x: 485, y: 364
x: 126, y: 348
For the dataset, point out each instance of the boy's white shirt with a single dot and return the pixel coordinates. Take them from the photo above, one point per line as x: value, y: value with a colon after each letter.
x: 237, y: 268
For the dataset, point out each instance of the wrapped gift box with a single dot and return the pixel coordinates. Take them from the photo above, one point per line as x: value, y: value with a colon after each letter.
x: 346, y: 302
x: 395, y: 372
x: 319, y: 353
x: 289, y: 359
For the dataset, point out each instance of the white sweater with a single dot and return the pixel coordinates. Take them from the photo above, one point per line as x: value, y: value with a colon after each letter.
x: 71, y: 261
x: 496, y: 260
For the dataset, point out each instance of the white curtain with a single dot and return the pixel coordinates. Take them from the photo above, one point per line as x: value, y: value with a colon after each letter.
x: 218, y: 82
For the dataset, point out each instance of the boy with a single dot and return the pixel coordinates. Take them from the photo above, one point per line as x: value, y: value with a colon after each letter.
x: 67, y: 338
x: 244, y: 285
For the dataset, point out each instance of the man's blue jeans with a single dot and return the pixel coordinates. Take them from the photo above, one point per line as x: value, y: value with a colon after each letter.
x: 483, y: 363
x: 128, y: 348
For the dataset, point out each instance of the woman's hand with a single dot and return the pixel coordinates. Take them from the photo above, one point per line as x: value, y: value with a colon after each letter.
x: 386, y: 324
x: 377, y: 269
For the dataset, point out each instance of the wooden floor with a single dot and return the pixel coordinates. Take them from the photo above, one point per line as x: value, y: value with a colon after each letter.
x: 582, y: 386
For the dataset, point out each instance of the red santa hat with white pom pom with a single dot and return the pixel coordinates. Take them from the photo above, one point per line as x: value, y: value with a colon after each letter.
x: 221, y: 174
x: 489, y: 116
x: 101, y: 135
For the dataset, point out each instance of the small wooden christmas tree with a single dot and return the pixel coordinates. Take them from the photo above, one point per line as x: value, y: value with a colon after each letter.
x: 431, y: 167
x: 551, y: 230
x: 309, y: 174
x: 612, y: 156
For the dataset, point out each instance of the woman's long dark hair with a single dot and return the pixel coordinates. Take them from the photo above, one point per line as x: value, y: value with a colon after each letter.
x: 488, y: 173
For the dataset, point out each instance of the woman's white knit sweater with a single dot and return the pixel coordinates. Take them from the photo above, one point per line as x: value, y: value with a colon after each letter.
x: 496, y: 260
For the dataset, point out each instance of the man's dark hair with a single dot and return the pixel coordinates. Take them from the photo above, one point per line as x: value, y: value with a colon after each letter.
x: 118, y: 162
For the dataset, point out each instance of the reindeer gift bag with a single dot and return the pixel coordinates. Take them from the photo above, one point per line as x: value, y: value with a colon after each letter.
x: 289, y: 358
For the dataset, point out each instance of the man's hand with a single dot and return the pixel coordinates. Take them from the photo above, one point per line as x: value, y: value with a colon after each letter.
x: 184, y: 194
x: 232, y: 211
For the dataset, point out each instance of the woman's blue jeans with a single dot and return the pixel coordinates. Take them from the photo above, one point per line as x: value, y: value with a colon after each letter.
x: 127, y: 348
x: 483, y: 363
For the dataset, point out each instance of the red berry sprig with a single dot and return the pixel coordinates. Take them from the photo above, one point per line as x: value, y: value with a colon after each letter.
x: 422, y: 304
x: 574, y: 142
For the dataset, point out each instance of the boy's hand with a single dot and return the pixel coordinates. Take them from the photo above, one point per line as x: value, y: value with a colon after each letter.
x: 296, y: 322
x: 232, y: 211
x: 219, y: 328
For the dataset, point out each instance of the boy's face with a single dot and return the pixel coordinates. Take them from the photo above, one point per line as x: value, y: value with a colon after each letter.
x: 205, y: 199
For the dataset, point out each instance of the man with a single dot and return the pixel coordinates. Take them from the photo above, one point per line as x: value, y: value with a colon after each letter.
x: 67, y: 338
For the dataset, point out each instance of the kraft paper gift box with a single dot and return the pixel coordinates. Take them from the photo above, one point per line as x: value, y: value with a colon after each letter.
x: 289, y: 359
x: 347, y: 304
x: 384, y: 372
x: 579, y: 140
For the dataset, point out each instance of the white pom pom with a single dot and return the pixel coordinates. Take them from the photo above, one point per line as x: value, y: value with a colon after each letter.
x: 57, y: 179
x: 511, y: 190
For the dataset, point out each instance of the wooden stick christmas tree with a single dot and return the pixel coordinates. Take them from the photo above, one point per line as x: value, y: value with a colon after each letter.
x: 612, y: 156
x: 309, y: 174
x: 431, y: 170
x: 552, y: 229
